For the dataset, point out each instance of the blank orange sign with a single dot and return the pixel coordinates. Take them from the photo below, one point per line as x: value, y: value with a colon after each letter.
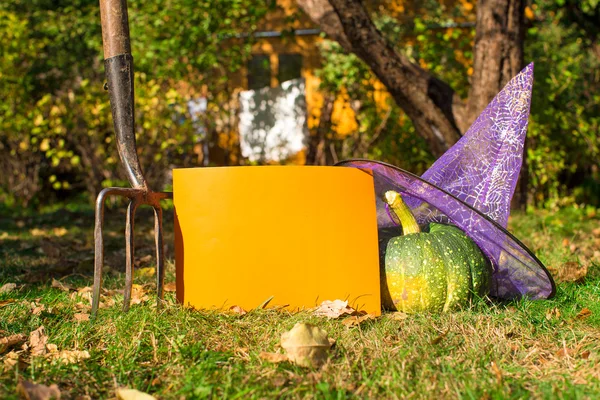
x: 300, y: 235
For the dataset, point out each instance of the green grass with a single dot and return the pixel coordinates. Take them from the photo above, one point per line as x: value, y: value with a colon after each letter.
x: 519, y: 349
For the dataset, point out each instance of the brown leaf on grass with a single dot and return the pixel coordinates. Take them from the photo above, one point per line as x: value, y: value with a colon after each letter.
x: 585, y: 355
x: 8, y: 287
x: 273, y: 357
x: 37, y: 341
x: 79, y: 317
x: 106, y: 302
x: 334, y: 309
x: 4, y: 303
x: 571, y: 272
x: 306, y: 345
x: 171, y: 287
x: 356, y: 320
x: 238, y: 310
x: 82, y: 307
x: 133, y: 394
x: 138, y: 294
x: 62, y: 286
x: 11, y: 359
x: 84, y: 293
x: 584, y: 313
x: 68, y: 356
x: 32, y: 391
x: 11, y: 341
x: 37, y: 309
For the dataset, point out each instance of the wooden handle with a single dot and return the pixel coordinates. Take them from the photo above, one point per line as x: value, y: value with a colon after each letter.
x: 115, y: 27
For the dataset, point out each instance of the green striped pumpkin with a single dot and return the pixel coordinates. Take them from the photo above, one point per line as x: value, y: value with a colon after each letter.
x: 438, y: 270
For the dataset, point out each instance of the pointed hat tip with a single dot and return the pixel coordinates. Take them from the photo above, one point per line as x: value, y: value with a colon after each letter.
x: 528, y: 69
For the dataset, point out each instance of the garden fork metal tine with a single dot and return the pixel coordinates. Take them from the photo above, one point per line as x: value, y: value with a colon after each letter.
x: 160, y: 257
x: 129, y: 253
x: 99, y: 240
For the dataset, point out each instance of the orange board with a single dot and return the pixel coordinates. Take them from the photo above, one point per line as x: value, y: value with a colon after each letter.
x: 298, y: 234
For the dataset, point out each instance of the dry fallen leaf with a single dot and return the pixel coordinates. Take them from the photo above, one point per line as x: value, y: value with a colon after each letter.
x: 81, y: 317
x: 37, y: 341
x: 52, y: 348
x: 306, y: 345
x: 584, y: 313
x: 11, y: 359
x: 334, y: 309
x: 31, y: 391
x: 62, y: 286
x: 273, y: 357
x: 83, y: 307
x: 69, y: 356
x: 84, y: 293
x: 11, y: 341
x: 571, y: 272
x: 138, y: 294
x: 133, y: 394
x: 6, y: 302
x: 36, y: 308
x: 238, y: 310
x: 357, y: 320
x: 8, y: 287
x: 171, y: 287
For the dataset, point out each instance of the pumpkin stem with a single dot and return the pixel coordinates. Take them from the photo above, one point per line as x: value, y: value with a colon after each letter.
x: 402, y: 211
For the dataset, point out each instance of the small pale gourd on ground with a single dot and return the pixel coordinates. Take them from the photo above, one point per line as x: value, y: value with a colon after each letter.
x: 438, y: 270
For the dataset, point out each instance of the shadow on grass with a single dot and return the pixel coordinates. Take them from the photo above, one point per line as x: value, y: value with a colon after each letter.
x: 38, y: 247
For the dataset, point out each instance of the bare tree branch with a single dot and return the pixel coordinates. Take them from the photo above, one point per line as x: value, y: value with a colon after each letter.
x: 427, y: 101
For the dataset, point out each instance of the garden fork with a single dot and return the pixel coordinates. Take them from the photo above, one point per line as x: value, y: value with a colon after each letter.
x: 118, y: 64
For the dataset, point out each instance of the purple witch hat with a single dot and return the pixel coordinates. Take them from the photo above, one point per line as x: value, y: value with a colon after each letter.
x: 471, y: 186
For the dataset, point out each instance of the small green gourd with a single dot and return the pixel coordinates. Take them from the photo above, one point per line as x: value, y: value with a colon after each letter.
x: 438, y: 270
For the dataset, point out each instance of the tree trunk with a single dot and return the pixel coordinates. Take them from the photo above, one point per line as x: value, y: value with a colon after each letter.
x: 430, y: 103
x: 436, y: 111
x: 318, y: 142
x: 498, y: 51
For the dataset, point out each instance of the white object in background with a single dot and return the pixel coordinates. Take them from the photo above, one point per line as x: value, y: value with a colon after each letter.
x: 273, y: 121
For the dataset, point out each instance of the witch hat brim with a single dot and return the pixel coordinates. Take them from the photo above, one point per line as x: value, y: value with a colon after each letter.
x: 517, y: 272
